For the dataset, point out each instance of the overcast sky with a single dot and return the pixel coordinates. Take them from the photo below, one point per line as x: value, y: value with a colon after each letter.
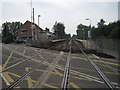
x: 69, y: 12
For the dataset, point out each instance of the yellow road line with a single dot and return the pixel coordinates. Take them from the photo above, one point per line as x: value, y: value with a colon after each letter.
x: 58, y: 73
x: 98, y: 61
x: 107, y: 62
x: 30, y: 81
x: 74, y: 85
x: 0, y: 67
x: 20, y: 59
x: 9, y: 58
x: 14, y: 57
x: 79, y: 58
x: 5, y: 80
x: 112, y: 73
x: 41, y: 56
x: 50, y: 86
x: 81, y: 78
x: 24, y: 50
x: 7, y: 61
x: 82, y: 69
x: 40, y: 70
x: 47, y: 85
x: 71, y: 83
x: 107, y: 67
x: 13, y: 74
x: 30, y: 84
x: 106, y: 59
x: 18, y: 87
x: 7, y: 76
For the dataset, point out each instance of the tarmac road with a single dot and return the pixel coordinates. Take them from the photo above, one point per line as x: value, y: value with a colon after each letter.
x: 82, y: 76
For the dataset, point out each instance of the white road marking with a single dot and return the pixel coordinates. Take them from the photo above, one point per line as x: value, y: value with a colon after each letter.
x: 96, y: 56
x: 7, y: 83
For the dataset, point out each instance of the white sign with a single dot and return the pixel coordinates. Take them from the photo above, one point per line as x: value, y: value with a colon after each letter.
x: 89, y: 34
x: 33, y: 26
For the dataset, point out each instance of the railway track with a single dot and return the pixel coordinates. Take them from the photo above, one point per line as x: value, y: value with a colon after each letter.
x: 104, y: 78
x: 66, y: 77
x: 53, y: 65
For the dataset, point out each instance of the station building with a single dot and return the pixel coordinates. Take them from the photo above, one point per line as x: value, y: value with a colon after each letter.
x: 31, y: 32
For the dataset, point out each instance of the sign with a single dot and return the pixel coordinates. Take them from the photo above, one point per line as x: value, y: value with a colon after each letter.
x: 89, y: 34
x: 33, y: 26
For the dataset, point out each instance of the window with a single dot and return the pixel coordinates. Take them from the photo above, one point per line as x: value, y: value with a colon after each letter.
x: 23, y: 31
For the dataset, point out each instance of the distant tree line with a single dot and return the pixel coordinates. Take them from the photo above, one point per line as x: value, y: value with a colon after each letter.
x: 110, y: 31
x: 103, y: 31
x: 59, y: 31
x: 9, y: 31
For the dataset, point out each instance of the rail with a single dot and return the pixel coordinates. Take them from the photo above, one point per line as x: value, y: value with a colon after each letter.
x: 67, y: 70
x: 44, y: 77
x: 104, y: 78
x: 26, y: 74
x: 66, y: 77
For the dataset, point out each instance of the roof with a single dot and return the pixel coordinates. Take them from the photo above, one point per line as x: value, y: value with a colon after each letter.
x: 34, y: 24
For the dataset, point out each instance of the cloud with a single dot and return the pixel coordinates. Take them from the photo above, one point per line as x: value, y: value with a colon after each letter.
x: 14, y: 11
x: 70, y: 12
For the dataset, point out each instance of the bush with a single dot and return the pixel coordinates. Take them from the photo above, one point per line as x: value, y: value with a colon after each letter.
x: 7, y: 40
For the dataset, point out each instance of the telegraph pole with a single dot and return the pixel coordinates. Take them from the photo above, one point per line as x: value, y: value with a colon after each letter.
x: 32, y: 22
x: 37, y: 28
x: 33, y: 16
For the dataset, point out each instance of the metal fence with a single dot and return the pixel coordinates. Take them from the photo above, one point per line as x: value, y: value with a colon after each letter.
x: 43, y: 40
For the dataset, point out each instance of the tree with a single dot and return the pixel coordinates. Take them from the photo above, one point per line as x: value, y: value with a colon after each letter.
x: 112, y: 30
x: 74, y: 36
x: 101, y: 23
x: 82, y: 31
x: 47, y: 29
x: 67, y: 36
x: 59, y: 30
x: 115, y: 32
x: 9, y: 31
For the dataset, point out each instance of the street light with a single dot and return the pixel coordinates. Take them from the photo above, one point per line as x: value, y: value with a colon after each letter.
x: 38, y: 19
x: 89, y: 20
x: 89, y: 33
x: 90, y: 28
x: 83, y: 33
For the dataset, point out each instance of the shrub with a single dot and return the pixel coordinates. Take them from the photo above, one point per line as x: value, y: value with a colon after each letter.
x: 7, y: 40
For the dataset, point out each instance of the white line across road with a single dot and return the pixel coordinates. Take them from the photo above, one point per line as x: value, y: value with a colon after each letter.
x: 6, y: 81
x: 9, y: 57
x: 104, y: 78
x: 78, y: 77
x: 105, y: 64
x: 44, y: 77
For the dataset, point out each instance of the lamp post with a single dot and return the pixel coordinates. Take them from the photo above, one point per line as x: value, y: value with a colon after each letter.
x: 90, y: 27
x: 83, y: 33
x: 38, y: 19
x: 37, y: 28
x: 89, y: 20
x: 89, y: 33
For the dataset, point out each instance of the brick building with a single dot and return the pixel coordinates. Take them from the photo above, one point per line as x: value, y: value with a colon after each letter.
x: 39, y: 35
x: 25, y: 31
